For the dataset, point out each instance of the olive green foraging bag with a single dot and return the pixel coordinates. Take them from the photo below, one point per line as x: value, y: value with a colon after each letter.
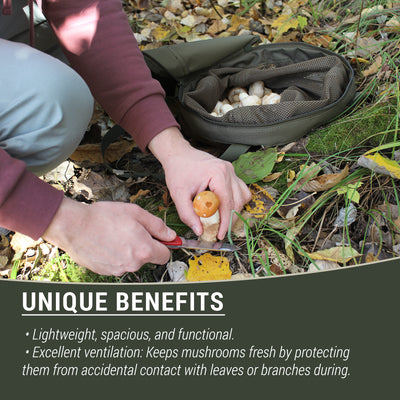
x: 315, y: 86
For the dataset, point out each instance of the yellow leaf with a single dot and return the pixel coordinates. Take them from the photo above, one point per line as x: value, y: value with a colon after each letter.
x: 260, y: 203
x: 290, y: 176
x: 380, y: 164
x: 163, y: 33
x: 340, y: 254
x: 208, y: 268
x: 285, y: 22
x: 238, y: 23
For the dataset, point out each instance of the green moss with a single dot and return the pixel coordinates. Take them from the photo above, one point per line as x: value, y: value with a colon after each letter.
x: 63, y: 269
x: 367, y: 127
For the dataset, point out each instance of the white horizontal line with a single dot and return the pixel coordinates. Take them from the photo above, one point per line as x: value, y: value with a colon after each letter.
x: 123, y: 315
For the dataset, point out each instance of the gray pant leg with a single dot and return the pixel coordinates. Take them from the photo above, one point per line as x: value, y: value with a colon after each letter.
x: 45, y: 107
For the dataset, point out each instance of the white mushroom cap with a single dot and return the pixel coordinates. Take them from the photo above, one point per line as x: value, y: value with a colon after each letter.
x: 272, y: 98
x: 257, y: 89
x: 225, y: 108
x: 250, y: 101
x: 233, y: 95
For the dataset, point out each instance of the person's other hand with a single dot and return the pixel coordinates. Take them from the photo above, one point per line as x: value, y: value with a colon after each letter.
x: 109, y: 238
x: 189, y: 171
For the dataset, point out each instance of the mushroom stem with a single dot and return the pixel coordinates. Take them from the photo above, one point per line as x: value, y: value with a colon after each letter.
x: 210, y: 227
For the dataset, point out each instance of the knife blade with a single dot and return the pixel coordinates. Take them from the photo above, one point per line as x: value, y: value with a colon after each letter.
x: 180, y: 242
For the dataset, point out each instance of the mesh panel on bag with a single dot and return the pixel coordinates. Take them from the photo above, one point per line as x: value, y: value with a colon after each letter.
x: 304, y: 87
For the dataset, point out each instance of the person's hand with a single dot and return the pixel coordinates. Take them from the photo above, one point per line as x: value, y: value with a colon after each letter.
x: 109, y: 238
x: 189, y: 171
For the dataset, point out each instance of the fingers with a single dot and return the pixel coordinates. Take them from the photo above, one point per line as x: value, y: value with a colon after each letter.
x: 233, y: 194
x: 155, y: 226
x: 184, y: 204
x: 113, y: 238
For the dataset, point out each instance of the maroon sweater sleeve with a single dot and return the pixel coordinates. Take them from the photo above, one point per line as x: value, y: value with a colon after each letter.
x: 99, y: 43
x: 27, y: 204
x: 97, y: 39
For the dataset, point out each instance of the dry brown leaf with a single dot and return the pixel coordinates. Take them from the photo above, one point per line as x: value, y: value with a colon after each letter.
x: 239, y: 276
x: 20, y: 243
x: 216, y: 27
x: 390, y: 211
x: 322, y: 182
x: 139, y: 193
x: 92, y: 152
x: 291, y: 206
x: 373, y: 68
x: 308, y: 172
x: 175, y: 6
x: 238, y: 228
x: 94, y: 186
x: 274, y: 255
x: 341, y: 254
x: 320, y: 40
x: 322, y: 265
x: 177, y: 270
x: 192, y: 20
x: 272, y: 177
x: 238, y: 23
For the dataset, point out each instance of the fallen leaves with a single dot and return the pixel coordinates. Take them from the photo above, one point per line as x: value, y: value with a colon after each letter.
x: 94, y: 186
x: 92, y: 152
x: 341, y: 254
x: 208, y: 268
x: 322, y: 182
x: 380, y: 164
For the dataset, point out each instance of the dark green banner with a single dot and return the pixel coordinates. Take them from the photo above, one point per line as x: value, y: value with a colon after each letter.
x: 327, y: 335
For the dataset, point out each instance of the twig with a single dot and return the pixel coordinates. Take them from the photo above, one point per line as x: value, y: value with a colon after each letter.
x: 215, y: 9
x: 319, y: 230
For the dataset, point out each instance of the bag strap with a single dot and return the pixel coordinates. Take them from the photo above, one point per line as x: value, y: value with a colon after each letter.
x: 233, y: 152
x: 111, y: 136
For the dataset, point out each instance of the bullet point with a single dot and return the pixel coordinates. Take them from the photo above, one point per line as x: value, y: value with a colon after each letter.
x: 27, y: 352
x: 27, y: 333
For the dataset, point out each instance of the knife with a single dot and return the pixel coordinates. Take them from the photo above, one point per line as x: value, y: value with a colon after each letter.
x: 180, y: 242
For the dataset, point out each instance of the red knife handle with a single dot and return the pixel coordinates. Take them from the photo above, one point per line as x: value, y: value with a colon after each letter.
x: 176, y: 242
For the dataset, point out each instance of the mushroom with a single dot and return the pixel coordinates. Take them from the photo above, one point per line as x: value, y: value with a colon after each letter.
x: 233, y: 95
x: 225, y: 108
x: 257, y: 89
x: 272, y: 98
x: 246, y: 100
x: 206, y: 205
x: 217, y: 108
x: 267, y: 91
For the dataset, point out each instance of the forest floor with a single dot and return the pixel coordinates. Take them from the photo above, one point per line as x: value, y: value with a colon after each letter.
x: 328, y: 200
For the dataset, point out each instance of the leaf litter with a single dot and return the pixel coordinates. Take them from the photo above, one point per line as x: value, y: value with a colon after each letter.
x: 335, y: 211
